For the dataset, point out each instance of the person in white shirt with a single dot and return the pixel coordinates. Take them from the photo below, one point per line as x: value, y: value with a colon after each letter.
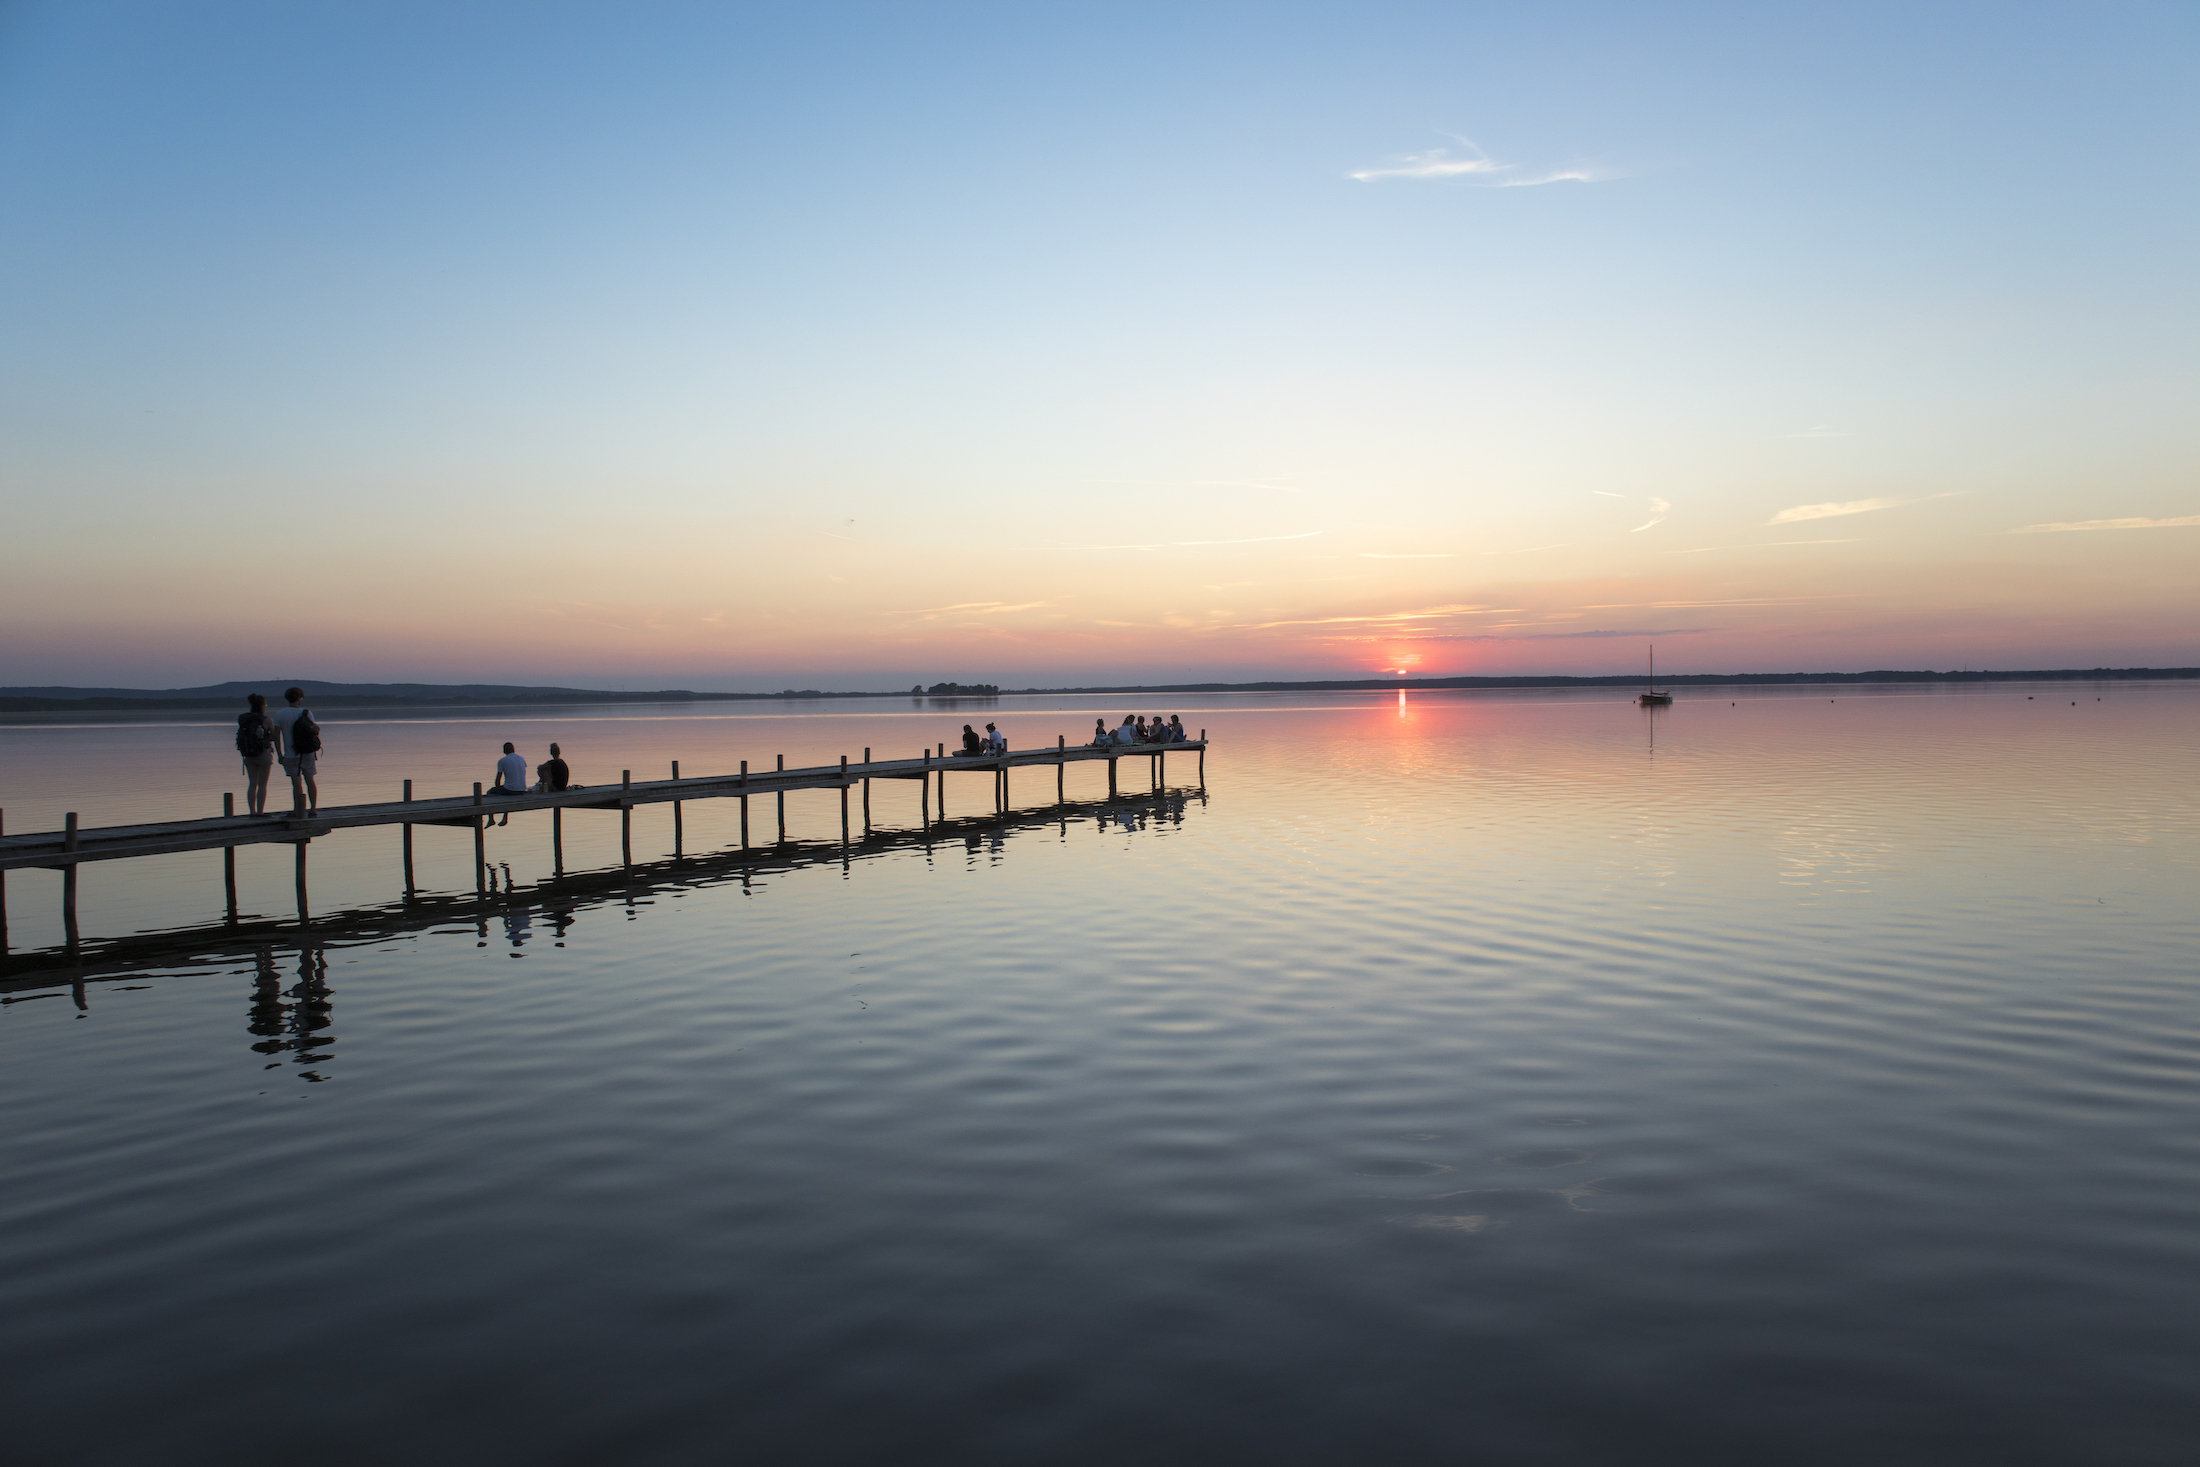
x: 300, y: 762
x: 996, y: 742
x: 511, y: 778
x: 1128, y: 732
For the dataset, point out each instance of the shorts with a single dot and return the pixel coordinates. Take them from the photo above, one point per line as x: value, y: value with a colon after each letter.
x: 305, y: 764
x: 261, y: 767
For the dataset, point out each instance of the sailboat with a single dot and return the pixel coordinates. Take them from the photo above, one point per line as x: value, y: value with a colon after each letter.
x: 1651, y: 697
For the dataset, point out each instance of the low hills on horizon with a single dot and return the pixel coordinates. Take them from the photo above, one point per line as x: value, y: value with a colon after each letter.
x: 62, y: 699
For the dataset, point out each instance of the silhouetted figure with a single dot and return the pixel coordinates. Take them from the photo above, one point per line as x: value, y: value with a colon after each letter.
x: 257, y: 740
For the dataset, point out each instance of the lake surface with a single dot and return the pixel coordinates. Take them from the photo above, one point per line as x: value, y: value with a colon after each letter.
x: 1801, y: 1076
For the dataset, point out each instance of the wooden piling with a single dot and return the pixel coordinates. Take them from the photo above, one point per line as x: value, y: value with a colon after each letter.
x: 1061, y: 763
x: 1111, y: 776
x: 866, y: 794
x: 408, y: 842
x: 229, y: 862
x: 744, y: 805
x: 4, y: 882
x: 626, y: 821
x: 924, y: 786
x: 1203, y: 758
x: 676, y: 826
x: 481, y: 848
x: 782, y: 798
x: 68, y: 882
x: 305, y: 916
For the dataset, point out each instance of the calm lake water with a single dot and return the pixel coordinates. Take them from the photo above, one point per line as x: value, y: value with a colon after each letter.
x: 1809, y: 1077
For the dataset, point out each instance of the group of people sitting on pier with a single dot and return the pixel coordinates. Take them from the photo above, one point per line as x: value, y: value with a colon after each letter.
x: 552, y: 775
x: 982, y: 746
x: 1137, y: 729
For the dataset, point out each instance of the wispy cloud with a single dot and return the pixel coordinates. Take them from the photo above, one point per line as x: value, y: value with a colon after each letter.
x: 1830, y: 511
x: 2180, y: 522
x: 1419, y: 555
x: 1425, y: 613
x: 1763, y: 545
x: 1608, y: 494
x: 1658, y: 511
x: 1175, y: 544
x: 975, y: 608
x: 1475, y: 167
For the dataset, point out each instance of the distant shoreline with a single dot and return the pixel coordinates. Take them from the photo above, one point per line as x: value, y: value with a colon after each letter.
x: 419, y: 695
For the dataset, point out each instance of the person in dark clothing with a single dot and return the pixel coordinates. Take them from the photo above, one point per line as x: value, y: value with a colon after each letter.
x: 256, y: 741
x: 972, y: 747
x: 551, y: 774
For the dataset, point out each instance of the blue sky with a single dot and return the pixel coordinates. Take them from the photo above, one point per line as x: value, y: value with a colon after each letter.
x: 732, y: 346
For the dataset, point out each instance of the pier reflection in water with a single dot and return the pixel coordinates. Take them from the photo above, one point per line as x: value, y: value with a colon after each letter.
x: 1460, y: 1076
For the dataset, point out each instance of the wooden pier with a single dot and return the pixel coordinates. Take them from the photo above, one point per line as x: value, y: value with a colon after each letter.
x: 72, y: 846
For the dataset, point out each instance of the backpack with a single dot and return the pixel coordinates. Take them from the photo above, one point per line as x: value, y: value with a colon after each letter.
x: 305, y: 734
x: 252, y: 736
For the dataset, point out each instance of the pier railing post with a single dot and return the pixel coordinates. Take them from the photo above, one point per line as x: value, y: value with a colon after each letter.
x: 408, y: 842
x: 68, y: 883
x: 229, y: 862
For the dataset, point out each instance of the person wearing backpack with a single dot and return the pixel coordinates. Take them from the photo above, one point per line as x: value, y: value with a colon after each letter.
x: 301, y: 750
x: 256, y: 742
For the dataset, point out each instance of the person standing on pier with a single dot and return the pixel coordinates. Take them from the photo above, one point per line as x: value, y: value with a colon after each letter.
x: 256, y: 740
x: 301, y: 750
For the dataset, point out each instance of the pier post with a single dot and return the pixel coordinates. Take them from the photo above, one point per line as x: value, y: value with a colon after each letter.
x: 4, y: 889
x: 677, y: 829
x: 867, y: 794
x: 744, y: 804
x: 626, y: 821
x: 305, y: 917
x: 1061, y: 762
x: 1111, y: 776
x: 229, y: 862
x: 481, y: 848
x: 408, y: 843
x: 924, y: 797
x: 782, y: 804
x: 68, y: 883
x: 1203, y: 758
x: 844, y: 799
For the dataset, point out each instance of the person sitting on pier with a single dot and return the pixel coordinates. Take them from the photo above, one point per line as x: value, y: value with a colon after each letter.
x: 973, y: 746
x: 1100, y: 734
x: 1157, y: 732
x: 551, y: 775
x: 996, y: 742
x: 511, y: 779
x: 1128, y: 732
x: 1176, y: 729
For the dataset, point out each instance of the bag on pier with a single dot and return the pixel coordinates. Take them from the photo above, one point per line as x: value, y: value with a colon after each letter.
x: 305, y: 734
x: 253, y: 738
